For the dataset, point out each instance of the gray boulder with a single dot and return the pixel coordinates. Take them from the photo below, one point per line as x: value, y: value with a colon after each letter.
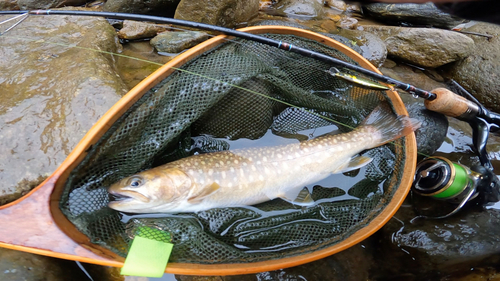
x: 52, y: 93
x: 300, y: 8
x: 136, y: 30
x: 426, y: 47
x: 176, y: 42
x: 155, y: 7
x: 415, y: 14
x: 480, y: 72
x: 228, y: 13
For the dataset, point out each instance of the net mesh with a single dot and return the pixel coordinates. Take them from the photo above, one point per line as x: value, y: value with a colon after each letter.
x: 240, y: 89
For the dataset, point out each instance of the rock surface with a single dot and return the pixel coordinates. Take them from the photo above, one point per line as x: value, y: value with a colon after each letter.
x: 8, y: 5
x: 176, y: 42
x: 16, y: 266
x: 226, y: 13
x: 372, y: 48
x: 469, y: 238
x: 425, y: 47
x: 154, y: 7
x: 132, y: 30
x: 480, y: 72
x: 52, y: 93
x: 300, y: 8
x: 416, y: 14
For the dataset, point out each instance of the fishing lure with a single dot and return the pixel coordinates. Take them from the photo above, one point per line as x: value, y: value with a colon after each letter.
x: 364, y: 83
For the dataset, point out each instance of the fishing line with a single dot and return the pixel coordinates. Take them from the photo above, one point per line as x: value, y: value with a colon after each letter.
x: 196, y: 74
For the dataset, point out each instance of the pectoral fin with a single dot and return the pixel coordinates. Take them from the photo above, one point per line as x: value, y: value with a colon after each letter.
x: 301, y: 197
x: 354, y: 164
x: 207, y: 191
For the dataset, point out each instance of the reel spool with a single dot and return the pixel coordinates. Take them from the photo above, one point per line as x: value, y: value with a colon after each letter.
x: 441, y: 179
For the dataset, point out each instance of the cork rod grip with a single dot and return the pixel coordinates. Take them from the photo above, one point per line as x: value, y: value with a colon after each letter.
x: 451, y: 104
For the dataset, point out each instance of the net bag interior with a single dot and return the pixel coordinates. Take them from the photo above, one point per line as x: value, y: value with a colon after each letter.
x: 238, y: 90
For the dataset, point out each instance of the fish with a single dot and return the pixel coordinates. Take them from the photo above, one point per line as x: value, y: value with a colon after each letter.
x: 254, y: 175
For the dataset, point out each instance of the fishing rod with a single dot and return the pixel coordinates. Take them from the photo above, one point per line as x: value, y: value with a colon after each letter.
x: 441, y: 100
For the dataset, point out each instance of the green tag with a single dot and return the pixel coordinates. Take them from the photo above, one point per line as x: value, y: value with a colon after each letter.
x: 147, y: 257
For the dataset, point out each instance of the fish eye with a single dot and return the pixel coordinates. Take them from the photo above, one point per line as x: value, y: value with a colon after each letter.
x: 135, y: 182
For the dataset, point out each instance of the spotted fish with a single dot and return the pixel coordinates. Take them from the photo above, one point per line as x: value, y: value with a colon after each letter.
x: 254, y: 175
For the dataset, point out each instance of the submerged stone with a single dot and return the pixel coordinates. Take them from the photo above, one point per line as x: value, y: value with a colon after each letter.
x: 55, y: 86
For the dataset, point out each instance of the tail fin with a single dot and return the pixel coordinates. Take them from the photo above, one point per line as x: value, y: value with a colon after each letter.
x: 388, y: 126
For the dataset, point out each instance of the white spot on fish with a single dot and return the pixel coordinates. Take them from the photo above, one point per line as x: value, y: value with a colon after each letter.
x: 230, y: 184
x: 348, y: 146
x: 210, y: 172
x: 290, y: 157
x: 254, y: 168
x: 344, y: 138
x: 261, y: 177
x: 223, y: 174
x: 250, y: 178
x: 264, y: 159
x: 279, y: 155
x: 191, y: 172
x: 231, y: 169
x: 258, y: 162
x: 236, y: 161
x: 266, y: 170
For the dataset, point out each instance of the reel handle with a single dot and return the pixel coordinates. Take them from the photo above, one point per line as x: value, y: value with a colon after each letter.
x: 451, y: 104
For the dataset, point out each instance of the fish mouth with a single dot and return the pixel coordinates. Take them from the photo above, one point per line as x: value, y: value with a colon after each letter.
x: 126, y: 195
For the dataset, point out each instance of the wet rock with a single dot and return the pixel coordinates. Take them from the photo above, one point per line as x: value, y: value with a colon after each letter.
x: 8, y: 5
x: 414, y: 14
x: 47, y: 4
x: 153, y: 7
x: 336, y: 4
x: 52, y: 93
x: 423, y: 46
x: 300, y: 8
x: 228, y: 13
x: 372, y: 48
x: 136, y: 30
x: 17, y: 266
x: 176, y: 42
x: 463, y: 241
x: 348, y: 23
x: 480, y: 72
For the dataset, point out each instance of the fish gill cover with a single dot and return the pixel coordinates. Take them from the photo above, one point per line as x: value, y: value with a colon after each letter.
x: 190, y: 111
